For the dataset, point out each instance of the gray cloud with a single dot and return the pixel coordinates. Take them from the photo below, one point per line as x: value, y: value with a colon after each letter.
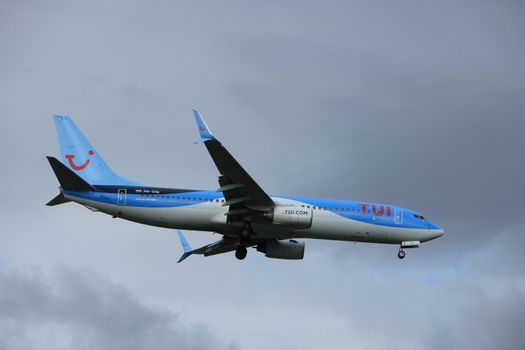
x: 78, y: 308
x: 415, y: 103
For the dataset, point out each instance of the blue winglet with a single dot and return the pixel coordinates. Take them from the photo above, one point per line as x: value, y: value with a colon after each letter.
x: 185, y: 246
x: 204, y: 131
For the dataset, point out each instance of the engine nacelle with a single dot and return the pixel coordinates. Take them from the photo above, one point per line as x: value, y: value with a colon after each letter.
x: 293, y: 217
x: 291, y: 249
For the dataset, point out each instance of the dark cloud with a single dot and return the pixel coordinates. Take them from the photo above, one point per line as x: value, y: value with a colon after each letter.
x: 78, y: 308
x: 416, y: 103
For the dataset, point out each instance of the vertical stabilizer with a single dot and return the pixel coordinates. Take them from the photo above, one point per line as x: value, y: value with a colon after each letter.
x: 82, y: 158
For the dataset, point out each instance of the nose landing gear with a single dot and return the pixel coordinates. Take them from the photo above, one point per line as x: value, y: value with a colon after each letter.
x: 406, y: 244
x: 240, y: 252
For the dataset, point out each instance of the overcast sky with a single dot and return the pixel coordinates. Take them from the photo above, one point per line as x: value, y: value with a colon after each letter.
x: 415, y: 103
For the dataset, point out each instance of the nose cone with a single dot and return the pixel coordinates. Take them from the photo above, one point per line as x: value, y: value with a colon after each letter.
x: 439, y: 232
x: 435, y: 230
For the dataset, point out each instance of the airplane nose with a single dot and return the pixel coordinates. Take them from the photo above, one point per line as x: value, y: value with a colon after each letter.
x: 435, y: 231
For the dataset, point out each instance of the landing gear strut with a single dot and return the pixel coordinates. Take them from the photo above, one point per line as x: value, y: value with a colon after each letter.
x: 246, y: 231
x: 401, y: 254
x: 240, y: 252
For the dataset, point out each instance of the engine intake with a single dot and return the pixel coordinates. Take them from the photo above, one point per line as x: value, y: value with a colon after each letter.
x: 291, y: 249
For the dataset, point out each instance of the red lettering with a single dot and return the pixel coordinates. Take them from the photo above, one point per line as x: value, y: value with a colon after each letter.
x: 388, y: 211
x: 363, y: 208
x: 381, y: 210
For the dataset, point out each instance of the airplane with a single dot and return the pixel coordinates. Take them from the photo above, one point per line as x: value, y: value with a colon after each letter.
x: 240, y: 210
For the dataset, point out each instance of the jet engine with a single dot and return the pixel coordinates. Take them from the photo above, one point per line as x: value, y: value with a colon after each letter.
x: 291, y: 249
x: 293, y: 217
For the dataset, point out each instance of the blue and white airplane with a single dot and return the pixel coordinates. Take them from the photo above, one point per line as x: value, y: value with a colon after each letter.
x: 240, y: 210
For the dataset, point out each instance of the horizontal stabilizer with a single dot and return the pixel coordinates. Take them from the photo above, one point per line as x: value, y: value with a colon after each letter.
x: 67, y: 178
x: 60, y: 199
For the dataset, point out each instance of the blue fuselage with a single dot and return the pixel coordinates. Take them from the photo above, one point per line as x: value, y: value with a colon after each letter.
x: 314, y: 218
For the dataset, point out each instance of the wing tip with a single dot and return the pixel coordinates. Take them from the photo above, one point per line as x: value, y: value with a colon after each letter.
x: 185, y: 246
x: 204, y: 131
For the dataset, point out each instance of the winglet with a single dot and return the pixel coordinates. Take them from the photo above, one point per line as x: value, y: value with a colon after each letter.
x: 185, y: 246
x: 204, y: 131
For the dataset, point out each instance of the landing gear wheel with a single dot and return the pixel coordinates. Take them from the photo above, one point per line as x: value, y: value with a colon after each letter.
x: 401, y: 254
x: 240, y: 253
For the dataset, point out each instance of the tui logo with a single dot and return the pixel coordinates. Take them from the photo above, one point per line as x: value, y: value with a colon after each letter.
x: 82, y: 166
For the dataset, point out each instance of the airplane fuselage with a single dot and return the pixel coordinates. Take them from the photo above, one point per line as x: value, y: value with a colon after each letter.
x: 314, y: 218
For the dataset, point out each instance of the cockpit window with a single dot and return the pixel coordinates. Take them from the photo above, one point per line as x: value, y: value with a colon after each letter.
x: 420, y: 217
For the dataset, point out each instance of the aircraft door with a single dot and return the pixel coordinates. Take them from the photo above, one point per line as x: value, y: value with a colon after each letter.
x: 398, y: 216
x: 121, y: 196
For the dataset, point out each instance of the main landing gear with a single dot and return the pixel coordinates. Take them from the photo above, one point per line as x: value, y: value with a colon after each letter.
x: 240, y: 252
x: 244, y: 236
x: 401, y: 254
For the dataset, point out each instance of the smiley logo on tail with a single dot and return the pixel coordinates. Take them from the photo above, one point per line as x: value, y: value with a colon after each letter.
x: 70, y: 157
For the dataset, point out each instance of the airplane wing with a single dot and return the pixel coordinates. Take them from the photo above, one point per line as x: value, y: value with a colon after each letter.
x: 245, y: 198
x: 222, y: 246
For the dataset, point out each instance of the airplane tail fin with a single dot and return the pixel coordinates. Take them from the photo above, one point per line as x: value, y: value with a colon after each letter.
x: 82, y: 158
